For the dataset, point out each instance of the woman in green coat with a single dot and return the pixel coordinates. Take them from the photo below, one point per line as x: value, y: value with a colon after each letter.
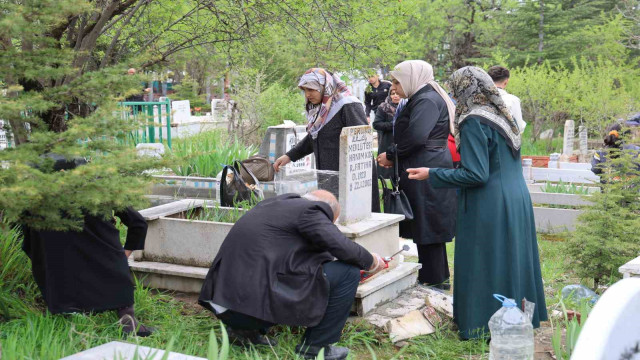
x: 496, y: 250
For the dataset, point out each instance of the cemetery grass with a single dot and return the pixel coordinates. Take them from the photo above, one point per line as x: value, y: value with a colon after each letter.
x: 28, y: 332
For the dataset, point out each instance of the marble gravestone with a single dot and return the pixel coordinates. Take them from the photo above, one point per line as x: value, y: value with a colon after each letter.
x: 584, y: 142
x: 569, y: 135
x: 181, y: 111
x: 117, y: 350
x: 356, y: 172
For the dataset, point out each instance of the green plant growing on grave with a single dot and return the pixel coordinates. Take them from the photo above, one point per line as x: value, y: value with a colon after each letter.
x: 606, y: 235
x: 573, y: 328
x: 205, y: 154
x: 565, y: 188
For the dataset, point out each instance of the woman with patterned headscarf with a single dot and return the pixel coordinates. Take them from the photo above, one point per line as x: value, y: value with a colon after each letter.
x: 329, y: 107
x: 496, y: 247
x: 420, y: 133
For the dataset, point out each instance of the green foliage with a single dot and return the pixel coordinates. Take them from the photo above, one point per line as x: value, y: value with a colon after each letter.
x: 573, y: 328
x: 221, y: 214
x: 188, y: 89
x: 16, y: 285
x: 72, y: 111
x: 593, y: 93
x: 606, y: 235
x: 205, y: 154
x: 563, y: 188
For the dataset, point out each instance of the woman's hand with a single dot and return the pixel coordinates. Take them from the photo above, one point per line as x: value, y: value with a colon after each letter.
x: 127, y: 253
x: 383, y: 161
x: 281, y: 161
x: 418, y: 173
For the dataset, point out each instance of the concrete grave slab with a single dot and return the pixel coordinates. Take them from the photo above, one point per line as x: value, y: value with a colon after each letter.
x: 631, y: 269
x: 125, y: 351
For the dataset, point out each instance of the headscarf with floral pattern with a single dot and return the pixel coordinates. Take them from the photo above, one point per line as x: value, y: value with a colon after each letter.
x: 476, y: 94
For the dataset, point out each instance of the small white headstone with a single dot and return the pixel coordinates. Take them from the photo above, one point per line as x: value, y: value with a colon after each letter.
x: 584, y: 142
x: 612, y: 330
x: 150, y: 149
x: 546, y: 135
x: 356, y: 162
x: 181, y: 111
x: 569, y: 135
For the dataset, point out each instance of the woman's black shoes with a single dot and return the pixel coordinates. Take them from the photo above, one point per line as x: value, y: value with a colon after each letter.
x: 330, y: 352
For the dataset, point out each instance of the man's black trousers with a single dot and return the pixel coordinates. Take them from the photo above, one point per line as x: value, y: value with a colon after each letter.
x: 343, y: 283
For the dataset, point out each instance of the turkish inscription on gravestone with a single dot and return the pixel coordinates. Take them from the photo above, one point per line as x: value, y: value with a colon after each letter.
x: 181, y: 110
x: 569, y: 134
x: 356, y: 172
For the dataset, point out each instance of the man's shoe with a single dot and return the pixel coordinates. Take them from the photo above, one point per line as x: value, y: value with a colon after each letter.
x: 330, y: 352
x: 246, y: 338
x: 131, y: 326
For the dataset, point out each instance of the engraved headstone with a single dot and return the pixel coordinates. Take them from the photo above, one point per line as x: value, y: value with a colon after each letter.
x: 181, y: 111
x: 356, y: 162
x: 584, y: 142
x: 569, y: 135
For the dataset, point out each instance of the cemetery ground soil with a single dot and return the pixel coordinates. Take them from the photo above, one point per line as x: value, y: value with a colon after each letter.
x: 36, y: 335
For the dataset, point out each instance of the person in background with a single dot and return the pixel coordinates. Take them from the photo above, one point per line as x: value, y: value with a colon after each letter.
x: 285, y: 262
x: 383, y: 123
x: 420, y: 139
x: 87, y: 270
x: 500, y: 76
x: 614, y: 140
x: 375, y: 94
x: 137, y: 97
x: 329, y: 108
x: 496, y: 246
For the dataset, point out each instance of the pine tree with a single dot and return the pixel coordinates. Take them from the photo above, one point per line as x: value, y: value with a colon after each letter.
x: 70, y: 111
x: 608, y: 233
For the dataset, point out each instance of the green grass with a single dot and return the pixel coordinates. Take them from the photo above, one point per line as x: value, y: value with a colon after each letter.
x: 205, y: 154
x: 565, y: 188
x: 28, y: 332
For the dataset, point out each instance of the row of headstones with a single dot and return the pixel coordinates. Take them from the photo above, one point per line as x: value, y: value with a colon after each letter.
x: 569, y: 137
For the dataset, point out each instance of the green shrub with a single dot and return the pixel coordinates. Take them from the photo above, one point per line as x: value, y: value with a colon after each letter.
x: 608, y: 232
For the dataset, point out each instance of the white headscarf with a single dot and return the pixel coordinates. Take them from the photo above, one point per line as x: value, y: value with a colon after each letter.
x: 413, y: 75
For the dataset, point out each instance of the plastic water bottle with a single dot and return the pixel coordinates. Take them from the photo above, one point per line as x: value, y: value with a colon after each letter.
x: 511, y: 332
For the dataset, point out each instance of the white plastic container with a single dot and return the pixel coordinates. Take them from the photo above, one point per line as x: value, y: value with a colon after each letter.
x: 511, y: 332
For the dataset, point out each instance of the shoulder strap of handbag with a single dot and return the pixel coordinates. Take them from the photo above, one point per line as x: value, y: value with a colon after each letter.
x: 223, y: 184
x: 384, y: 184
x: 395, y: 182
x: 237, y: 164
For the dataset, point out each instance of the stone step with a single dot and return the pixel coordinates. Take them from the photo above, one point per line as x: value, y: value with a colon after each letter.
x: 385, y: 287
x: 378, y: 290
x: 125, y: 351
x: 169, y: 276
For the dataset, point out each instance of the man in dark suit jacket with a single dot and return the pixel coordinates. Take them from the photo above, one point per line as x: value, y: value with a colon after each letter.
x: 277, y: 266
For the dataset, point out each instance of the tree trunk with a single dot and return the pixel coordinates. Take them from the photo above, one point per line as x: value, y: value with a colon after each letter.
x: 541, y: 32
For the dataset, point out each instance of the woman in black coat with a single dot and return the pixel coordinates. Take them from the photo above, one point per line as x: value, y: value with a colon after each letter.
x: 420, y: 136
x: 383, y: 123
x: 330, y: 107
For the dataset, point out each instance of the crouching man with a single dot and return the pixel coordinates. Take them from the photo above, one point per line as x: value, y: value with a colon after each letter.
x: 285, y: 262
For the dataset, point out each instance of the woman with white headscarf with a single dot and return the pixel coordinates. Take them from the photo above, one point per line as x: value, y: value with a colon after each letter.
x: 496, y: 246
x: 420, y: 137
x: 329, y: 107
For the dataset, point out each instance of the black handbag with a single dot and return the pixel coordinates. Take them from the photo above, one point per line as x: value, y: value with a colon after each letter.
x: 237, y: 190
x: 395, y: 201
